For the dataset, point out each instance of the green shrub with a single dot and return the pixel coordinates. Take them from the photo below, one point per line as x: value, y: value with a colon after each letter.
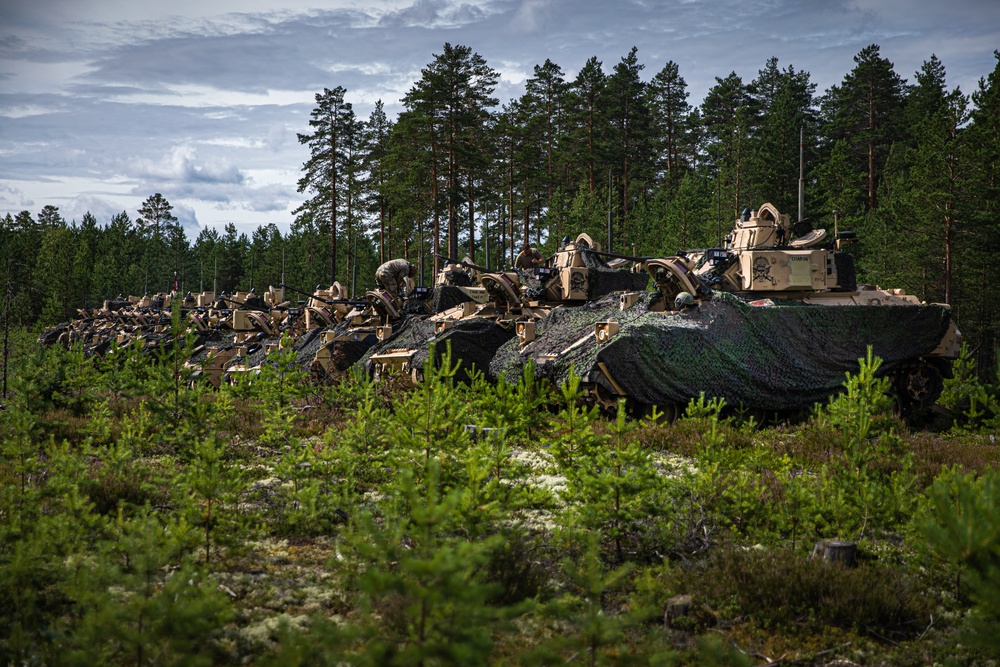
x: 974, y: 406
x: 779, y: 586
x: 964, y: 529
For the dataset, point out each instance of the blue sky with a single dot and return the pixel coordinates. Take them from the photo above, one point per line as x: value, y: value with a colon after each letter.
x: 104, y: 102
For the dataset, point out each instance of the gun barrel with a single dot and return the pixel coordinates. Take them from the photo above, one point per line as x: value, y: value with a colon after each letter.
x: 451, y: 260
x: 296, y: 290
x: 329, y: 302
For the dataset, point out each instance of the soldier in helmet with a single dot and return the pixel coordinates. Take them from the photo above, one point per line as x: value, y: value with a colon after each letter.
x: 683, y: 301
x: 392, y: 276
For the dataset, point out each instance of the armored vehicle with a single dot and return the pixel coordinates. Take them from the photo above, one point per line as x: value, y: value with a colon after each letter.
x: 374, y: 320
x: 507, y: 304
x: 229, y: 329
x: 767, y: 322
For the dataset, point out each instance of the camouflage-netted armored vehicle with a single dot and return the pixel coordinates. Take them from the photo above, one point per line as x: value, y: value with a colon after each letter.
x: 766, y: 322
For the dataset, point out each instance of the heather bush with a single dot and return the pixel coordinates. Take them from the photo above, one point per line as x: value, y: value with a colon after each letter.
x: 780, y: 586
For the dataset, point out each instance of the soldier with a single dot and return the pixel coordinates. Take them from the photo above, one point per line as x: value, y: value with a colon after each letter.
x: 392, y: 275
x: 528, y: 258
x: 684, y: 300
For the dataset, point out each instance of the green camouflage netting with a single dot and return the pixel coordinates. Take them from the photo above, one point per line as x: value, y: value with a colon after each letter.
x: 473, y: 341
x: 346, y: 353
x: 444, y: 297
x: 601, y: 279
x: 786, y: 356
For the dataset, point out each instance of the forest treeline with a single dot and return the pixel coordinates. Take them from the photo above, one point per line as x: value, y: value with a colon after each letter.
x: 912, y: 166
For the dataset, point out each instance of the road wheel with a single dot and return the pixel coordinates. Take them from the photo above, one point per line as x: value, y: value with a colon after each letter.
x: 918, y: 384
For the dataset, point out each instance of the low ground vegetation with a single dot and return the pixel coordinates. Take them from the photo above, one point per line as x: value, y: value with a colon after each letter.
x: 146, y: 519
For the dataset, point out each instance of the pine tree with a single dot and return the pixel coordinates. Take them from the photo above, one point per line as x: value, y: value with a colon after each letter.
x: 155, y: 216
x: 430, y: 607
x: 49, y: 218
x: 232, y: 260
x: 981, y: 315
x: 965, y: 529
x: 590, y: 628
x: 631, y: 135
x: 129, y: 612
x: 412, y: 188
x: 266, y: 257
x: 209, y: 484
x: 333, y: 124
x: 54, y: 272
x: 940, y: 169
x: 455, y: 93
x: 728, y: 115
x: 866, y: 111
x: 81, y: 280
x: 118, y: 261
x: 784, y: 100
x: 668, y: 103
x: 378, y: 129
x: 612, y: 487
x: 587, y: 123
x: 162, y: 240
x: 545, y: 98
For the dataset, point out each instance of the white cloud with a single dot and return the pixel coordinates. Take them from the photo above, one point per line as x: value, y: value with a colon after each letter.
x: 20, y: 111
x: 514, y: 72
x: 531, y: 16
x: 101, y: 207
x: 183, y: 165
x: 12, y: 199
x: 201, y: 96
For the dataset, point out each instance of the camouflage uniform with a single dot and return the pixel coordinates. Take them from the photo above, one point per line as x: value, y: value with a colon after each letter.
x: 392, y: 275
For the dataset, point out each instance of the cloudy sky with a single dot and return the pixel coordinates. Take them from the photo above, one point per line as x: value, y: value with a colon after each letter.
x: 104, y: 102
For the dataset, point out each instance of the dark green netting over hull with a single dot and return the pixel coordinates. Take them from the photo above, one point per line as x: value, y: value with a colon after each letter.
x: 441, y: 298
x: 412, y: 333
x: 473, y: 342
x: 785, y: 356
x: 601, y: 279
x: 349, y: 352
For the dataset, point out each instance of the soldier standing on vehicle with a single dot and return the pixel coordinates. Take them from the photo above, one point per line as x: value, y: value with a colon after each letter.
x: 392, y: 275
x: 528, y: 258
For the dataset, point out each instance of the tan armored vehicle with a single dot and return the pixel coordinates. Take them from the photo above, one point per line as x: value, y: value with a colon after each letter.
x: 231, y: 330
x: 771, y: 321
x: 504, y: 304
x: 380, y: 316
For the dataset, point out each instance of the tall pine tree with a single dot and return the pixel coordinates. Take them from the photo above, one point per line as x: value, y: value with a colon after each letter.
x: 332, y: 122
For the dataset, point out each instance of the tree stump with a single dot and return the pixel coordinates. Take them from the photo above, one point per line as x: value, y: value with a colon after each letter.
x: 835, y: 551
x: 676, y: 607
